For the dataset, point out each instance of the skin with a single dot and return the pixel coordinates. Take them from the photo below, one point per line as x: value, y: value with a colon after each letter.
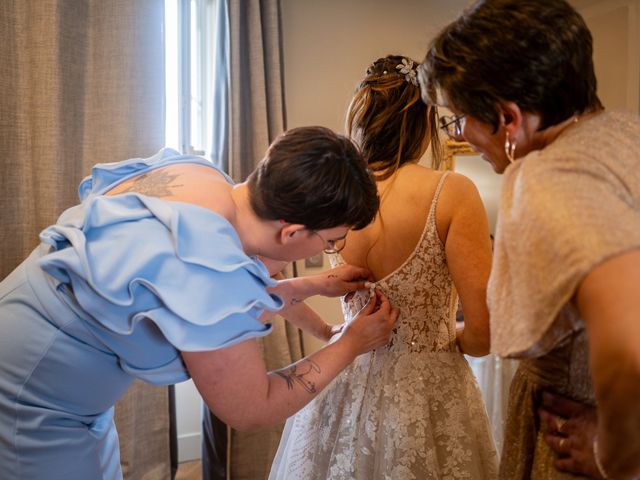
x: 462, y: 226
x: 234, y: 381
x: 607, y: 300
x: 521, y: 127
x: 300, y: 314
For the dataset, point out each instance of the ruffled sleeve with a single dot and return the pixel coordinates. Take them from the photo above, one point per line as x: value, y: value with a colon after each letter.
x: 562, y: 213
x: 155, y: 278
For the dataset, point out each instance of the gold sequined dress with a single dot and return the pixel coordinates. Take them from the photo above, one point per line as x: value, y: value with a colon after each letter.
x: 563, y: 210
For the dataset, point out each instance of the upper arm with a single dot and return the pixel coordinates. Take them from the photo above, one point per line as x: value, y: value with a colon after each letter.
x: 463, y: 226
x: 608, y: 300
x: 230, y: 380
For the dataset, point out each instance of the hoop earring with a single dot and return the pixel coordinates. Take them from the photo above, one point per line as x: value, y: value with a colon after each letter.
x: 510, y: 148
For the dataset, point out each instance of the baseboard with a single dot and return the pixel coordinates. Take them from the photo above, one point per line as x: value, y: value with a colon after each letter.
x: 189, y: 447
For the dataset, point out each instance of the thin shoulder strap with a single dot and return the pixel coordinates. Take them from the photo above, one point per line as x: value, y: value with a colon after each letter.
x: 437, y: 193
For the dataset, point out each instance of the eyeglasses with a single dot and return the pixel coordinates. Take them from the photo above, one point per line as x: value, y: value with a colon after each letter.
x: 452, y: 125
x: 332, y: 246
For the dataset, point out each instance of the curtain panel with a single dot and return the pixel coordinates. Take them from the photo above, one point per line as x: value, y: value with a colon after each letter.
x: 249, y: 93
x: 81, y: 82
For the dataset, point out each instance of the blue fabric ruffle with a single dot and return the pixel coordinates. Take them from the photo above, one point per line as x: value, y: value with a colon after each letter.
x: 156, y: 275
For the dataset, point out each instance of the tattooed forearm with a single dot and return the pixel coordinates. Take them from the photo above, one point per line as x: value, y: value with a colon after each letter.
x: 156, y: 183
x: 298, y: 374
x: 332, y: 275
x: 295, y: 301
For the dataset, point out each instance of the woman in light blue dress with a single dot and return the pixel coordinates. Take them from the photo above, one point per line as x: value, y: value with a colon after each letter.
x: 154, y: 275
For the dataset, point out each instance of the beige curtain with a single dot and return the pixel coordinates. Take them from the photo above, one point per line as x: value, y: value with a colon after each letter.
x: 81, y: 82
x: 249, y: 106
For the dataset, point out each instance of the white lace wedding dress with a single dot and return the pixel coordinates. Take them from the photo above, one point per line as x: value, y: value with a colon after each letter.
x: 411, y: 410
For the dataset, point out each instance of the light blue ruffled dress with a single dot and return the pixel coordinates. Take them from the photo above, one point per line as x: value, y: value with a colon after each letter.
x: 118, y: 287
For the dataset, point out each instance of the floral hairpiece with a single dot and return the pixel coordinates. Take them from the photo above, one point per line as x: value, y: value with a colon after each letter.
x: 406, y: 68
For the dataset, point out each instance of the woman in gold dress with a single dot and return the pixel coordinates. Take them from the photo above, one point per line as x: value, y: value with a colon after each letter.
x: 563, y: 292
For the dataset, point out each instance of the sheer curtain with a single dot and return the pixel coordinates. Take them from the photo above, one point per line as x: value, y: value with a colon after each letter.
x: 249, y: 113
x: 81, y: 82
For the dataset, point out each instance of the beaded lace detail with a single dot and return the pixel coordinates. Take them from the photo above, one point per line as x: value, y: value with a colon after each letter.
x: 410, y: 410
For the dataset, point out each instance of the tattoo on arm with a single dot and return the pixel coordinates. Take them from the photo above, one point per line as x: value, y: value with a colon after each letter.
x: 293, y: 375
x: 332, y: 275
x: 295, y: 301
x: 156, y: 183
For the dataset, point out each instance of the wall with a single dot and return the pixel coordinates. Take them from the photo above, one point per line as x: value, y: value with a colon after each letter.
x: 615, y: 26
x: 329, y: 44
x: 188, y: 408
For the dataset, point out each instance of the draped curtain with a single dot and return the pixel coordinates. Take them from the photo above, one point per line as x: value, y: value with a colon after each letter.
x: 249, y: 113
x: 249, y: 92
x: 81, y: 82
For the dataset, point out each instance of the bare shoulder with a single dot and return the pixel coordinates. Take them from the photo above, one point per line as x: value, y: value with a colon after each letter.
x: 416, y: 170
x: 414, y: 179
x: 457, y: 191
x: 459, y: 198
x: 457, y: 183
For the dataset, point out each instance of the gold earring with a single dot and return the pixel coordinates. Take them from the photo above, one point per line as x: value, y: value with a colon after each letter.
x: 510, y: 148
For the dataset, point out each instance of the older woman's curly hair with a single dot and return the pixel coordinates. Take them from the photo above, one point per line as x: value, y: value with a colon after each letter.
x: 536, y: 53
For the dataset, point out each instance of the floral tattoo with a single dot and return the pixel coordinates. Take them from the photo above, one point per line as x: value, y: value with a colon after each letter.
x: 294, y: 375
x: 154, y: 183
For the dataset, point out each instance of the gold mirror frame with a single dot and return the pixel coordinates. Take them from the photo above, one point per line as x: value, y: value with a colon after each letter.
x: 453, y: 148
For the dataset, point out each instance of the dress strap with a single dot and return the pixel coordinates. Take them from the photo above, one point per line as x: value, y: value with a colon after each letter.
x: 436, y: 195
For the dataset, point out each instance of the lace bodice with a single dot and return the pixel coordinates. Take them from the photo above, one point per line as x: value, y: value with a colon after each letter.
x: 423, y: 290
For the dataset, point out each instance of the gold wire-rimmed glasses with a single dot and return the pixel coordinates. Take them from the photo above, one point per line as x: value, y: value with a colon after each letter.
x: 332, y: 246
x: 452, y: 125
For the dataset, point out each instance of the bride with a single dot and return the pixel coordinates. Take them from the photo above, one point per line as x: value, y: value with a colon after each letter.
x: 410, y: 410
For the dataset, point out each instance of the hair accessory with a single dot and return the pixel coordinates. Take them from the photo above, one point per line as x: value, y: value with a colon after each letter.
x: 510, y: 148
x: 406, y: 68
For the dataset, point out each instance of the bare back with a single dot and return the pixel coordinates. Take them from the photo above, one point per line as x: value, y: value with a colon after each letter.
x: 462, y: 227
x: 184, y: 182
x: 385, y: 244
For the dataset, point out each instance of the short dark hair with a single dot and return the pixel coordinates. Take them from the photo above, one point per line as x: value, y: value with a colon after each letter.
x: 536, y: 53
x: 314, y: 177
x: 388, y: 119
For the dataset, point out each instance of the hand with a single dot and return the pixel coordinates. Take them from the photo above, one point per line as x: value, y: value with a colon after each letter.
x: 570, y: 430
x: 372, y: 327
x: 331, y: 330
x: 342, y: 280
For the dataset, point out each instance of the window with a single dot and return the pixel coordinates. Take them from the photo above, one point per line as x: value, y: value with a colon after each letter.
x: 189, y: 55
